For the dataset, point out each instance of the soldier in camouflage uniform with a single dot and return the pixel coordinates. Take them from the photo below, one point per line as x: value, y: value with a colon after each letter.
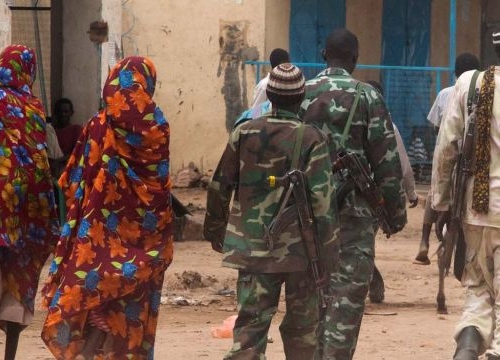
x: 329, y: 99
x: 256, y: 150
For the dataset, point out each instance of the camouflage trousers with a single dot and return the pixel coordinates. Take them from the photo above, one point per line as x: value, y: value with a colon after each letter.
x: 258, y: 296
x: 348, y: 288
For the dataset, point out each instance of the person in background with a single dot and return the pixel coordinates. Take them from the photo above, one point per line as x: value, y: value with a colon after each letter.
x: 417, y: 151
x: 67, y: 132
x: 464, y: 62
x: 408, y: 179
x: 377, y: 287
x: 104, y: 286
x: 278, y: 56
x: 53, y: 149
x: 272, y: 145
x: 57, y: 159
x: 369, y: 134
x: 28, y: 222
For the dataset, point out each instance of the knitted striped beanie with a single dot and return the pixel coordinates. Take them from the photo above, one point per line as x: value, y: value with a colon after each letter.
x: 286, y: 85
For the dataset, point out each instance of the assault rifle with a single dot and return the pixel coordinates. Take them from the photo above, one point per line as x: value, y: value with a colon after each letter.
x: 453, y: 239
x: 295, y: 182
x: 464, y: 170
x: 348, y: 167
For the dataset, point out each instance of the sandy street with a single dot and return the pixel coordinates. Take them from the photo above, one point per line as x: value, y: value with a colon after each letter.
x: 199, y: 294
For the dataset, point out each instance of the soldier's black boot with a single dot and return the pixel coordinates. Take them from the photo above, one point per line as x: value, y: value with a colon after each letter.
x: 468, y: 344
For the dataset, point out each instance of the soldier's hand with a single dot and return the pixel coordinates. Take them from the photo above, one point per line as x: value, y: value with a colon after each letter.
x: 217, y: 246
x: 414, y: 202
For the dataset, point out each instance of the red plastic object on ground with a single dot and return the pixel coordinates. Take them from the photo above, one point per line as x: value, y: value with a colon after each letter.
x: 226, y: 330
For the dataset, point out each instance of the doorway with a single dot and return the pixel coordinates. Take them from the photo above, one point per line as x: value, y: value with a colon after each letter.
x: 310, y: 23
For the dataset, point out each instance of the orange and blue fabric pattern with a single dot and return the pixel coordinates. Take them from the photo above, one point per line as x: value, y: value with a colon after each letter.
x: 28, y: 222
x: 117, y: 240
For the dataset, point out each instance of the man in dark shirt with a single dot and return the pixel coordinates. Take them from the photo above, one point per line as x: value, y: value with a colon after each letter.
x: 67, y: 133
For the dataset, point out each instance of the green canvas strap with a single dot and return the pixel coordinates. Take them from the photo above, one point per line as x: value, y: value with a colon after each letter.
x: 351, y: 115
x: 472, y: 91
x: 297, y: 146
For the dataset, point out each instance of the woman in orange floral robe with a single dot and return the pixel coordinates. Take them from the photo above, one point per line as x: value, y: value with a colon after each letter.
x: 104, y: 287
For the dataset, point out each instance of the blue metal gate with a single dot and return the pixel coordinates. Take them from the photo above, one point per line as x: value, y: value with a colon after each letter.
x: 310, y: 23
x: 406, y: 42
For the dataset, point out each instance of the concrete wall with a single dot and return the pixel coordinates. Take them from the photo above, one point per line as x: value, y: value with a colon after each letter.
x: 468, y: 31
x: 5, y: 25
x: 197, y: 49
x: 85, y: 64
x: 370, y: 35
x: 364, y: 18
x: 277, y: 15
x: 111, y: 50
x: 81, y: 71
x: 491, y: 23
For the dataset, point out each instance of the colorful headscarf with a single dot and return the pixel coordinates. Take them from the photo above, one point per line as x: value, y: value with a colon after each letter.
x: 117, y: 239
x: 28, y: 221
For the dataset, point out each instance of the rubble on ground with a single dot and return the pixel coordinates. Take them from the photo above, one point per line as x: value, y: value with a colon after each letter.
x: 194, y: 280
x: 191, y: 177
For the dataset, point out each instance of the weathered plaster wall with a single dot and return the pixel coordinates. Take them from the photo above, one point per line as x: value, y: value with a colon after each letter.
x: 199, y: 46
x: 468, y: 26
x: 85, y: 64
x: 5, y: 25
x: 468, y: 31
x: 364, y: 18
x: 111, y: 50
x: 183, y: 40
x: 277, y: 28
x: 80, y: 69
x: 491, y: 23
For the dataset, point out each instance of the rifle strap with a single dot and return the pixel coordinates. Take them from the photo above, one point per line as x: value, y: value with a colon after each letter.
x: 351, y: 115
x: 297, y: 146
x: 471, y: 95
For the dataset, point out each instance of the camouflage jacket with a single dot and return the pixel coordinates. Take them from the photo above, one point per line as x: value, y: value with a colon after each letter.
x: 256, y: 150
x: 329, y: 98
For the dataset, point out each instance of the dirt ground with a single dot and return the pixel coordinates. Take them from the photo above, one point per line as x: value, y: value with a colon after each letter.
x: 198, y: 294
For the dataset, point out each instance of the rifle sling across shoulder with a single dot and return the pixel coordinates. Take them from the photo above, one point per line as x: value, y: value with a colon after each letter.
x: 297, y: 146
x: 351, y: 115
x: 472, y: 92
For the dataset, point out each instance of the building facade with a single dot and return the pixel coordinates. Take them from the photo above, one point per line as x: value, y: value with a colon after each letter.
x: 200, y: 47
